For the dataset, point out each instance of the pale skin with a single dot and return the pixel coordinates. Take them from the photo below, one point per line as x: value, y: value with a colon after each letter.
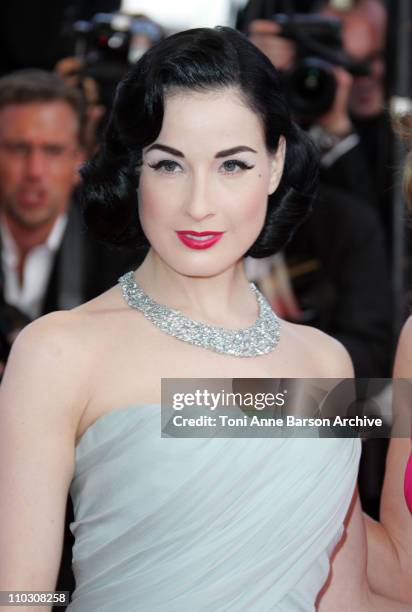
x: 388, y: 562
x: 68, y: 369
x: 390, y: 540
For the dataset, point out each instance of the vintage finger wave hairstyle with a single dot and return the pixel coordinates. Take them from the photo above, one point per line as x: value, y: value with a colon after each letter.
x: 201, y: 59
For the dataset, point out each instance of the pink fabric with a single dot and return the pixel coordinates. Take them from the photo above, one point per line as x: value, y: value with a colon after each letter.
x: 408, y: 483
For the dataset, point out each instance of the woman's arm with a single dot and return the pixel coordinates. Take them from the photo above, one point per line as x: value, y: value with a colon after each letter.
x: 347, y: 589
x: 40, y: 399
x: 390, y: 540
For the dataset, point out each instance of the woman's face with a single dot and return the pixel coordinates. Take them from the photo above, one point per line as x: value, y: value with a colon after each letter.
x: 205, y: 182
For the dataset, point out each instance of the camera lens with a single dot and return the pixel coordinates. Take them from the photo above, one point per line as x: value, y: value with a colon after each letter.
x: 310, y: 88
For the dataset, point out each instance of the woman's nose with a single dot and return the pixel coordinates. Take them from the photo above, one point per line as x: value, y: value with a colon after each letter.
x: 199, y: 202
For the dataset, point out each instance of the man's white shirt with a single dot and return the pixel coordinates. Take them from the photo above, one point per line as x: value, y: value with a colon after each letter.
x: 37, y: 268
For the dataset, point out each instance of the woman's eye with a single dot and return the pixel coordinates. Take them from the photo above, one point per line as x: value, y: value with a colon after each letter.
x: 235, y: 166
x: 166, y: 165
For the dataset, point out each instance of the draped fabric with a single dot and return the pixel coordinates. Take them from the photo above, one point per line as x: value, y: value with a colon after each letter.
x: 204, y: 524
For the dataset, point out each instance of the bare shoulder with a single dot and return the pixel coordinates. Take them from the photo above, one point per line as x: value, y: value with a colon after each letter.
x: 46, y: 359
x: 403, y: 362
x: 55, y: 354
x: 407, y: 328
x: 322, y: 355
x: 406, y: 335
x: 55, y: 337
x: 67, y: 333
x: 50, y: 336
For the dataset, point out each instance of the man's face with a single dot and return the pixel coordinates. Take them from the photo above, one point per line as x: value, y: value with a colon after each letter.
x: 39, y: 157
x: 363, y: 35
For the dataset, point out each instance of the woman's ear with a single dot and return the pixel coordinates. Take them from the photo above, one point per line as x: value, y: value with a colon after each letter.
x: 277, y: 162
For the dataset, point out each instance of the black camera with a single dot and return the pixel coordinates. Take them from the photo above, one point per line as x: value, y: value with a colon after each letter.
x: 310, y: 84
x: 109, y: 43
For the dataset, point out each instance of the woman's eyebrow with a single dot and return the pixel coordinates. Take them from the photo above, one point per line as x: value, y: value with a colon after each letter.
x: 225, y: 153
x: 234, y: 150
x: 166, y: 149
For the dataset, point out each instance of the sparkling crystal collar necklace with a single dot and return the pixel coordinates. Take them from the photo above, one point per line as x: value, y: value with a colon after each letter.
x: 260, y: 338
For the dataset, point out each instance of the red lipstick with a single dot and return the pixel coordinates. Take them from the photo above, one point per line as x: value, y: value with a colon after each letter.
x: 199, y: 240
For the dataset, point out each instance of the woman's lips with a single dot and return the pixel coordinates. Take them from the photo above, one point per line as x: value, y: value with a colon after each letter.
x: 199, y: 240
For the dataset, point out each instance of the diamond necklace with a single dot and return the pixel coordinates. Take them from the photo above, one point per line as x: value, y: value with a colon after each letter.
x: 260, y: 338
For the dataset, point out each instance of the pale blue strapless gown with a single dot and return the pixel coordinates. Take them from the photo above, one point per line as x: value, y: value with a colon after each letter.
x: 204, y: 525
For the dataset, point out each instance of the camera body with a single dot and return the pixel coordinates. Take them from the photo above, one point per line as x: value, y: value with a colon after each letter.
x: 109, y: 43
x: 310, y: 84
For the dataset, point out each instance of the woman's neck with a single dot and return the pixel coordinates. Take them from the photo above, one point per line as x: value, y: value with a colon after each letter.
x: 224, y: 299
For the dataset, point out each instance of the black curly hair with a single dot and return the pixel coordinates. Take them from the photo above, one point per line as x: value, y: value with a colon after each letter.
x: 201, y: 59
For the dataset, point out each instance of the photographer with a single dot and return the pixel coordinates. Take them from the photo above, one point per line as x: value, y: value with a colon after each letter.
x: 364, y: 33
x: 343, y: 163
x: 336, y: 263
x: 106, y: 45
x: 359, y: 109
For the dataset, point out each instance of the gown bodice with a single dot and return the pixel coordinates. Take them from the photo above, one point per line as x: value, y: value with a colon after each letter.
x: 204, y: 524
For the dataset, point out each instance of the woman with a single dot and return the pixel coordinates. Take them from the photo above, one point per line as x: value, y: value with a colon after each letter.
x: 390, y: 540
x: 200, y: 129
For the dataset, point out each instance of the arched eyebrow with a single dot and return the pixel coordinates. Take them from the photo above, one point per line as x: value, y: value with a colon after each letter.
x: 234, y: 150
x: 166, y: 149
x: 225, y: 153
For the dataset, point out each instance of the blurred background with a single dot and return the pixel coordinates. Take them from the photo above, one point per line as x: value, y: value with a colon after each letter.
x: 344, y: 65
